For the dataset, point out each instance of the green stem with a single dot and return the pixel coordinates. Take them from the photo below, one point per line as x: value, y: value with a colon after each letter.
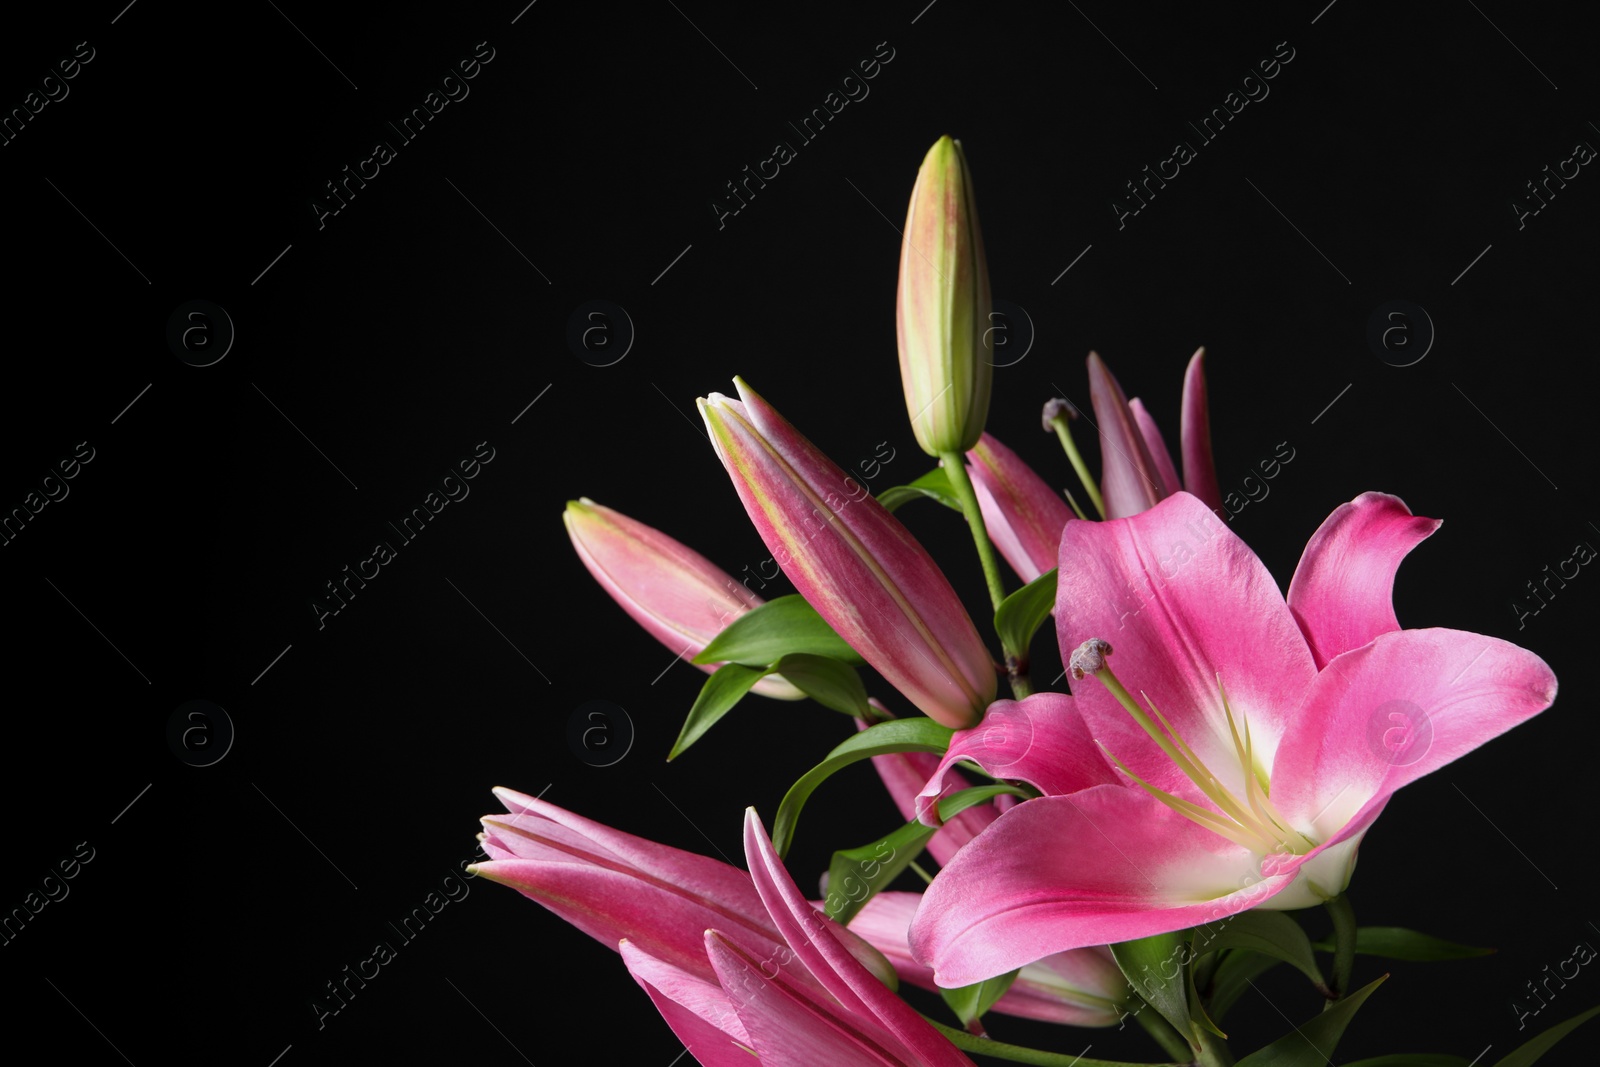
x: 1344, y: 942
x: 955, y: 468
x: 1213, y: 1051
x: 1171, y: 1042
x: 1019, y: 1054
x: 1071, y: 448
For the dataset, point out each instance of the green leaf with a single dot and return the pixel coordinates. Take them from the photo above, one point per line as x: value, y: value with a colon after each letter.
x: 934, y: 485
x: 725, y: 688
x: 1145, y: 962
x: 1413, y: 1059
x: 1197, y: 1010
x: 1233, y: 977
x: 1538, y: 1046
x: 1398, y: 943
x: 1311, y: 1044
x: 969, y: 1002
x: 856, y: 874
x: 780, y: 626
x: 1023, y: 612
x: 827, y: 681
x: 1271, y: 933
x: 898, y: 735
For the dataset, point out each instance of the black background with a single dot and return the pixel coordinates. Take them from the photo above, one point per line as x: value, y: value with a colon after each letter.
x: 382, y: 346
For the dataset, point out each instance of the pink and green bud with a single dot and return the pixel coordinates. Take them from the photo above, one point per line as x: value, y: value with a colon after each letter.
x: 1023, y: 515
x: 675, y: 593
x: 853, y: 561
x: 942, y: 310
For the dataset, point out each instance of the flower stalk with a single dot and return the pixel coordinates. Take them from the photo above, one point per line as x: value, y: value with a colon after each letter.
x: 1344, y: 943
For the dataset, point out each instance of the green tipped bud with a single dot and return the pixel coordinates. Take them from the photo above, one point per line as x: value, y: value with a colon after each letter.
x: 943, y: 304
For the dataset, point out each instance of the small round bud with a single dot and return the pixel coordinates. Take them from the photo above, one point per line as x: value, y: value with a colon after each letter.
x: 1090, y: 657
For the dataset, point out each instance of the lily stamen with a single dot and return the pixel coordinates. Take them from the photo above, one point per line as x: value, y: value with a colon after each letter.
x: 1253, y: 822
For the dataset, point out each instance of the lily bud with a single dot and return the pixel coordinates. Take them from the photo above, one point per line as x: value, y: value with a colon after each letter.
x: 1139, y: 472
x: 679, y: 596
x: 1079, y: 987
x: 856, y: 564
x: 1023, y: 515
x: 943, y: 305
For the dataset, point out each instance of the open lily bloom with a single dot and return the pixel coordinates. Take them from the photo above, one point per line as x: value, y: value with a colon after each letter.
x: 736, y: 962
x: 1255, y: 738
x: 1138, y: 469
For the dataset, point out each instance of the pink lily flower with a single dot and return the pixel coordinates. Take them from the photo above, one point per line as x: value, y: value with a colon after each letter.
x: 1138, y: 469
x: 613, y: 885
x: 683, y: 599
x: 1266, y: 737
x: 1023, y: 515
x: 737, y: 963
x: 1080, y: 987
x: 856, y: 564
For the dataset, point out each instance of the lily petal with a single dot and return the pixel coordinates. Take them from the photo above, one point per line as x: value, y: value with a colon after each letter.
x: 1040, y: 740
x: 1129, y: 481
x: 1105, y: 865
x: 1182, y: 601
x: 1342, y: 594
x: 1157, y: 447
x: 1199, y: 468
x: 789, y: 1028
x: 812, y: 938
x: 1394, y: 710
x: 700, y: 1013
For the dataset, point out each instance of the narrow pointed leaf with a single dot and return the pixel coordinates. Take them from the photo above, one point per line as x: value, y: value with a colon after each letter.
x: 970, y: 1001
x: 857, y: 874
x: 1398, y: 943
x: 1197, y: 1009
x: 1023, y: 612
x: 1146, y: 962
x: 899, y: 735
x: 1538, y: 1046
x: 1311, y: 1044
x: 1414, y: 1059
x: 775, y: 629
x: 717, y: 697
x: 1271, y: 933
x: 1234, y: 975
x: 827, y: 681
x: 935, y: 485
